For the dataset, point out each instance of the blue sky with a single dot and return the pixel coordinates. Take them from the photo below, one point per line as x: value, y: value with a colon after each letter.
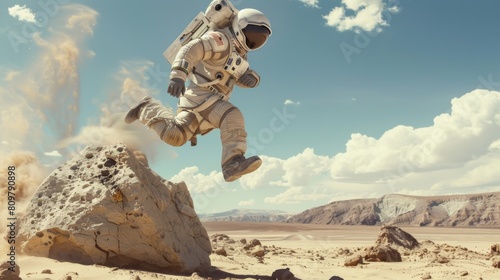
x: 358, y: 98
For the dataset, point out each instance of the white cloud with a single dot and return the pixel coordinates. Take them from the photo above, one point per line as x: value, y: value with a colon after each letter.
x: 367, y: 15
x: 81, y: 17
x: 22, y: 13
x: 469, y: 132
x: 485, y: 173
x: 270, y: 172
x: 394, y: 9
x: 250, y: 202
x: 294, y: 195
x: 311, y: 3
x: 54, y: 153
x: 495, y: 145
x: 290, y: 102
x: 459, y: 153
x: 11, y: 75
x: 304, y: 168
x: 198, y: 182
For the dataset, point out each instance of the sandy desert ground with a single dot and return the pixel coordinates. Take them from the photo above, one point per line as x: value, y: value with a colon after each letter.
x: 311, y: 252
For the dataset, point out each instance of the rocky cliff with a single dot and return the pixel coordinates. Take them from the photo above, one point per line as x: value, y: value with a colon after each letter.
x: 454, y: 210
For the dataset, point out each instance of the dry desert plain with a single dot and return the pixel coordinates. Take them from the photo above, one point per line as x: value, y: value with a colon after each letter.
x: 311, y: 252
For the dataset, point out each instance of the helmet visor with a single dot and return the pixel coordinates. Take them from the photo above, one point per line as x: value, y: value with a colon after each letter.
x: 255, y: 36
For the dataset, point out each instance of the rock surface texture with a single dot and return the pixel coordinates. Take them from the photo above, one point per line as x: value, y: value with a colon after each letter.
x: 106, y: 207
x: 392, y: 235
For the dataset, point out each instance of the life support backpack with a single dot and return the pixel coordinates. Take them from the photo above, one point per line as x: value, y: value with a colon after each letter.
x: 219, y: 14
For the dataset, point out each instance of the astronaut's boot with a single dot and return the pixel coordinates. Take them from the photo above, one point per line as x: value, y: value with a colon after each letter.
x: 134, y: 112
x: 239, y: 166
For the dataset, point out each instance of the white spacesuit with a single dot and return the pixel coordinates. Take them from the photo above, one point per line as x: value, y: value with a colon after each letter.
x: 214, y: 62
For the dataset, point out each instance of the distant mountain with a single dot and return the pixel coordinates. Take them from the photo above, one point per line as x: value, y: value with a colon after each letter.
x: 453, y: 210
x: 245, y: 215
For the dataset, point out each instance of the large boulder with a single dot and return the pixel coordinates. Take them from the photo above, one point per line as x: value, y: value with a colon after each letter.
x: 106, y: 207
x: 392, y: 235
x: 382, y: 253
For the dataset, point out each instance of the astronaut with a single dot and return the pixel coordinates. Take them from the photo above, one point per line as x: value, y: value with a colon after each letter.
x: 214, y: 64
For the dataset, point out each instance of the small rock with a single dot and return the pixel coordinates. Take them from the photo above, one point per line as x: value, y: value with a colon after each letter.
x: 353, y: 261
x: 336, y: 278
x: 382, y: 253
x: 495, y: 249
x: 70, y: 275
x: 441, y: 259
x: 243, y: 241
x: 496, y: 262
x: 195, y: 276
x: 47, y: 271
x: 7, y: 274
x: 258, y: 251
x: 282, y: 274
x: 255, y: 242
x: 464, y: 273
x: 221, y: 252
x: 427, y: 276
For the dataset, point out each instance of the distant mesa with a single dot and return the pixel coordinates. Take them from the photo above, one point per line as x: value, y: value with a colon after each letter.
x: 246, y: 215
x: 404, y: 210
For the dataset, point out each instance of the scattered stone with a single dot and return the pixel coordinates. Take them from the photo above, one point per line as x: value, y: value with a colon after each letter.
x: 464, y: 273
x: 258, y: 251
x: 46, y: 271
x: 221, y: 252
x: 427, y: 276
x: 196, y: 276
x: 70, y: 276
x: 97, y: 216
x: 495, y: 261
x: 255, y: 242
x: 392, y: 235
x: 442, y: 259
x: 336, y: 278
x: 248, y: 246
x: 495, y: 250
x: 282, y: 274
x: 382, y: 253
x: 354, y: 260
x: 243, y: 241
x: 6, y: 274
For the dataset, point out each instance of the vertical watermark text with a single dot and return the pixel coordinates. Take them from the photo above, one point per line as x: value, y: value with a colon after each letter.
x: 11, y: 218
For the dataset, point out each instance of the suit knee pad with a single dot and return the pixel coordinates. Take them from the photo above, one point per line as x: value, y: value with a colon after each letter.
x: 177, y: 131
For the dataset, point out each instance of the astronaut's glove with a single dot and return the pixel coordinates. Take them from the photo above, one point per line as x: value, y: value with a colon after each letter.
x: 176, y: 87
x: 249, y: 79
